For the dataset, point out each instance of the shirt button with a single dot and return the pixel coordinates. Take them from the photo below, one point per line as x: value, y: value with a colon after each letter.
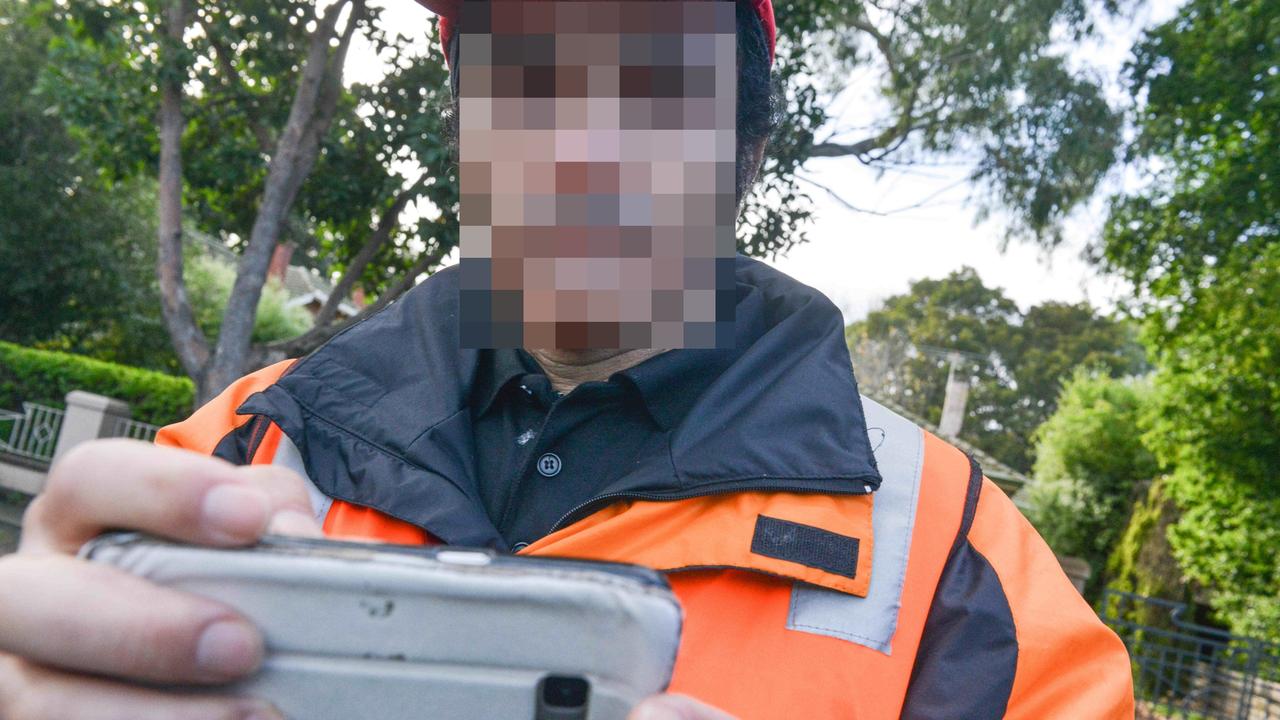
x: 549, y: 465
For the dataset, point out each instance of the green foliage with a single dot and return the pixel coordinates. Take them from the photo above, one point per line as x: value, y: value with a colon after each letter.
x: 246, y: 61
x: 1044, y: 157
x: 1215, y: 424
x: 1016, y: 361
x: 775, y: 214
x: 1142, y: 561
x: 209, y: 282
x: 1201, y: 243
x: 983, y: 81
x: 46, y: 377
x: 1089, y: 459
x: 71, y: 246
x: 984, y: 77
x: 1210, y: 140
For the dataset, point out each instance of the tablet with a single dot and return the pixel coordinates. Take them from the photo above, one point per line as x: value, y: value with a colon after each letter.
x: 389, y: 632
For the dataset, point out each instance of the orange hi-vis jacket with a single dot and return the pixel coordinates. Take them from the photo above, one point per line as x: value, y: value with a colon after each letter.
x: 927, y: 597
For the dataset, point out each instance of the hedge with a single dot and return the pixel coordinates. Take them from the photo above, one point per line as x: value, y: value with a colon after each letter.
x: 45, y: 377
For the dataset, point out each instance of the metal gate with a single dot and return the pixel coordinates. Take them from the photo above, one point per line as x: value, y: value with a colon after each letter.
x: 1185, y: 670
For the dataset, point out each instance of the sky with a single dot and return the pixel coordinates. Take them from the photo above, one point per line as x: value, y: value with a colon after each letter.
x: 920, y: 225
x: 858, y: 259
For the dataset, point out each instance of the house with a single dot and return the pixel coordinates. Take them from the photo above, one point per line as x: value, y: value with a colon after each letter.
x: 306, y: 288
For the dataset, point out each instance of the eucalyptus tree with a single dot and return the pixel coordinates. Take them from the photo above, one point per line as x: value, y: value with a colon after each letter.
x: 996, y: 87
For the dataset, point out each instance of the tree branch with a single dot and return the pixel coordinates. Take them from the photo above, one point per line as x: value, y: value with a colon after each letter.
x: 318, y: 335
x: 892, y: 136
x: 922, y: 202
x: 387, y: 223
x: 309, y: 116
x: 226, y: 64
x: 188, y: 340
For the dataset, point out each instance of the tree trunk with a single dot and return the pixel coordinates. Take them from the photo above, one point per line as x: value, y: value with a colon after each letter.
x: 188, y: 341
x: 309, y: 117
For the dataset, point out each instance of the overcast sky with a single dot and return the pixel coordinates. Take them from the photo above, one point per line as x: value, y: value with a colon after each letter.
x: 927, y: 229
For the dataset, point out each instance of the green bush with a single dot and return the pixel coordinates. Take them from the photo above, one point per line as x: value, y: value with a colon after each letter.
x: 1090, y: 460
x: 209, y: 284
x: 45, y: 377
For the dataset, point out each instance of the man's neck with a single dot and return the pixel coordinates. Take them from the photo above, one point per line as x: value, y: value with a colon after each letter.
x: 569, y: 368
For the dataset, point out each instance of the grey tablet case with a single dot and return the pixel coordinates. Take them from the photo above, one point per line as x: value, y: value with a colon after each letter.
x: 375, y: 631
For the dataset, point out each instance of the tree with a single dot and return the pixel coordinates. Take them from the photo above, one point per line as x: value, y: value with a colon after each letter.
x: 1215, y: 426
x: 1090, y: 464
x: 259, y: 141
x: 70, y: 256
x: 985, y: 83
x: 1199, y: 241
x: 1015, y: 362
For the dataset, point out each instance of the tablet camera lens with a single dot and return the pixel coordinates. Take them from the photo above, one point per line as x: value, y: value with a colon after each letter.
x: 559, y: 691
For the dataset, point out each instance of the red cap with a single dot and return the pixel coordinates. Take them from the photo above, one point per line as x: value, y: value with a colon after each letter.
x: 448, y: 12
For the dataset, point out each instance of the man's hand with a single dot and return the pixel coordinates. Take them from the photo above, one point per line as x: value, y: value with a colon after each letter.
x: 74, y: 635
x: 676, y: 707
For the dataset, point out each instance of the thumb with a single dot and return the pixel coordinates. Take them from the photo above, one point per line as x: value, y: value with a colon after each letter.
x: 676, y: 707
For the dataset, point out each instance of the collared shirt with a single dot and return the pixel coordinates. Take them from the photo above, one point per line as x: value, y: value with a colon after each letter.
x: 540, y: 454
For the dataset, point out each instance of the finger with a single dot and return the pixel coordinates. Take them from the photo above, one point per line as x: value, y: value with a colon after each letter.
x: 31, y: 692
x: 290, y: 501
x: 676, y: 707
x: 77, y: 615
x: 125, y: 484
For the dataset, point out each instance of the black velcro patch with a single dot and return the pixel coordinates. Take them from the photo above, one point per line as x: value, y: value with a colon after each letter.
x: 806, y: 545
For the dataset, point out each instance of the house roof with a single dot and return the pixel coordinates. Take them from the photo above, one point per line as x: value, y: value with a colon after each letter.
x: 304, y: 286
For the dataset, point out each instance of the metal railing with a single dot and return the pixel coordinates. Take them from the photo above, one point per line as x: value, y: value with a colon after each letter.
x: 135, y: 429
x: 1185, y: 670
x: 32, y: 433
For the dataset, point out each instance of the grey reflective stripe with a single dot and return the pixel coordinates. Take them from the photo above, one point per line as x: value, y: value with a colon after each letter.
x: 287, y: 455
x: 871, y: 621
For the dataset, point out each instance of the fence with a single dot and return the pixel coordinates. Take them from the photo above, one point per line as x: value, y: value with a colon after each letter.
x: 32, y: 435
x: 133, y: 429
x: 1186, y: 670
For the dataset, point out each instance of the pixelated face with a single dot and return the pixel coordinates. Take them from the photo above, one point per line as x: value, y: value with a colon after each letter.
x: 596, y: 147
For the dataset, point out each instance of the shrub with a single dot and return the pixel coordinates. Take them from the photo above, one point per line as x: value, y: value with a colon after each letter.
x: 1090, y: 459
x: 209, y: 284
x: 45, y: 377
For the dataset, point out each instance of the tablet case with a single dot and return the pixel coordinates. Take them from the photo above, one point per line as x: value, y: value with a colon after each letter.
x: 357, y: 630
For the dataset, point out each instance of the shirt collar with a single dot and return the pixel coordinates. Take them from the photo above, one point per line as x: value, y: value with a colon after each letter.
x: 668, y: 383
x: 495, y: 369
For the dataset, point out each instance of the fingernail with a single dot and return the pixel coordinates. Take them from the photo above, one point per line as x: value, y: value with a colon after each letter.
x: 292, y: 522
x: 229, y: 648
x: 235, y: 513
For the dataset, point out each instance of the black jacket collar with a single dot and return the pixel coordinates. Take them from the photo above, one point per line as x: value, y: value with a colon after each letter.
x: 381, y: 412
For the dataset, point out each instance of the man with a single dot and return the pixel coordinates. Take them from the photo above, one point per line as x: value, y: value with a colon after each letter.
x: 832, y: 559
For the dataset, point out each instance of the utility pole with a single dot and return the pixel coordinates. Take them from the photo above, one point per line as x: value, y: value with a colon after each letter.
x: 953, y: 405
